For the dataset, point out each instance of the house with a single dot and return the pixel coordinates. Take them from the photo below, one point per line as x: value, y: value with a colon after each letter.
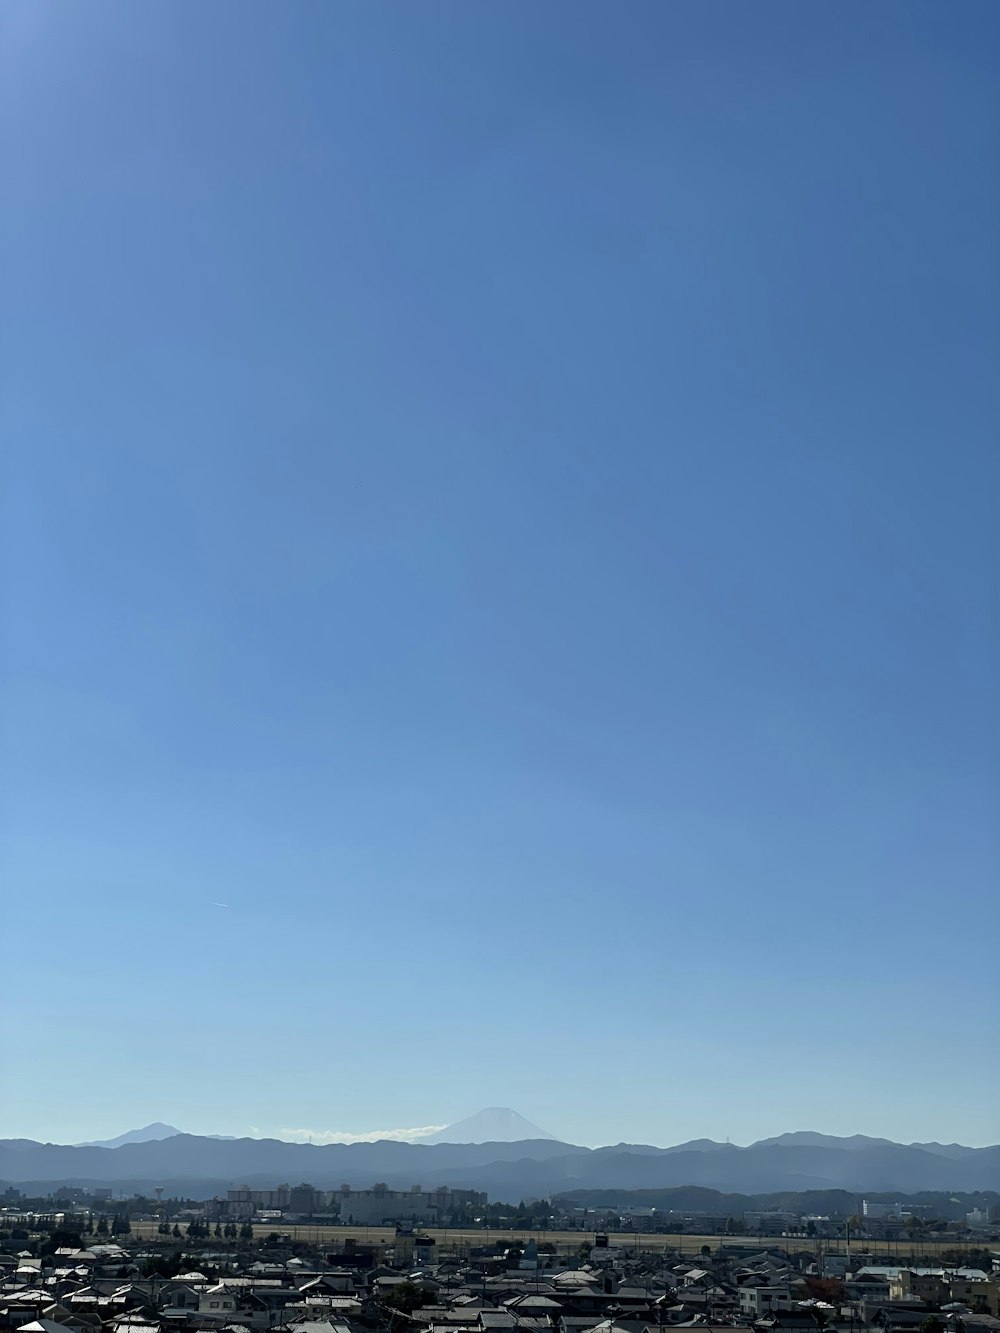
x: 760, y: 1299
x: 532, y: 1306
x: 334, y: 1282
x: 913, y: 1285
x: 180, y: 1296
x: 217, y: 1302
x: 42, y: 1326
x: 867, y: 1287
x: 901, y: 1317
x: 977, y: 1323
x: 321, y: 1326
x: 782, y: 1320
x: 22, y: 1307
x: 64, y: 1318
x: 133, y: 1324
x: 980, y: 1294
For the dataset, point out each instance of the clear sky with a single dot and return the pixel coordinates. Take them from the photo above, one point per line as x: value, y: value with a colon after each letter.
x: 499, y: 566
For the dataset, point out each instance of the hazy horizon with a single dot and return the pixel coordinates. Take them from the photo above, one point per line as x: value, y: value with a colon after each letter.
x: 420, y: 1133
x: 499, y: 549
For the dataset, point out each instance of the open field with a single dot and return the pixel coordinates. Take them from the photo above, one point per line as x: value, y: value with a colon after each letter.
x: 447, y: 1240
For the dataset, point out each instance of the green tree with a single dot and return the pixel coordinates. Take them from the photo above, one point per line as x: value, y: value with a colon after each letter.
x: 102, y: 1226
x: 218, y: 1231
x: 176, y: 1231
x: 62, y: 1239
x: 405, y: 1297
x: 161, y: 1265
x: 972, y: 1257
x: 121, y: 1226
x: 932, y: 1324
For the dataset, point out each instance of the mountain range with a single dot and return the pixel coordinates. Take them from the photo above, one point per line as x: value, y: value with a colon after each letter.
x: 200, y: 1166
x: 494, y: 1124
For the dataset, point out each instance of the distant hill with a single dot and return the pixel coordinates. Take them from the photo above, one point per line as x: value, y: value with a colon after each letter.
x: 198, y: 1166
x: 945, y: 1149
x: 148, y: 1134
x: 808, y: 1138
x: 647, y: 1149
x: 495, y: 1124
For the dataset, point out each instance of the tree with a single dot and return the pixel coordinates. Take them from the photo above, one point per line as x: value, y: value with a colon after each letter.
x: 218, y: 1231
x: 973, y: 1257
x: 405, y: 1297
x: 246, y: 1231
x: 161, y: 1265
x: 102, y: 1226
x: 932, y: 1324
x: 62, y: 1239
x: 829, y: 1289
x: 121, y: 1226
x: 176, y: 1231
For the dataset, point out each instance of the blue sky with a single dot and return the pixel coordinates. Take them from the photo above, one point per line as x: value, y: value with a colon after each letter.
x: 499, y: 567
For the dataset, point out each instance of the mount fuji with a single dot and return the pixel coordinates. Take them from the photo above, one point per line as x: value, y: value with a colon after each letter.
x: 494, y: 1124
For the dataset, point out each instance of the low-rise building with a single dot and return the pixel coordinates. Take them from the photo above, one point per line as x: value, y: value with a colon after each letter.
x: 758, y: 1300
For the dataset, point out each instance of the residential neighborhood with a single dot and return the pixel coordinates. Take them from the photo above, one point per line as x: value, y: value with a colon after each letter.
x: 222, y: 1277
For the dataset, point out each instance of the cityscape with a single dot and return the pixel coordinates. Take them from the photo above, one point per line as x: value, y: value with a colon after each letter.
x: 77, y: 1257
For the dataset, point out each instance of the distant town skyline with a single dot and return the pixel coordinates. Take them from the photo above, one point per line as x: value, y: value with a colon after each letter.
x: 499, y: 567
